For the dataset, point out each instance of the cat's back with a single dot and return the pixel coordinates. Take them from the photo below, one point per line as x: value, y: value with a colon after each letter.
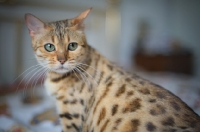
x: 129, y: 104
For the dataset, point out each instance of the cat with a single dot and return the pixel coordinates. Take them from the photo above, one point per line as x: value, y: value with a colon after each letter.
x: 94, y: 95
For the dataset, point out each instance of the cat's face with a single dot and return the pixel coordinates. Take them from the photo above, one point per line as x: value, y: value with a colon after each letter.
x: 58, y: 46
x: 60, y: 54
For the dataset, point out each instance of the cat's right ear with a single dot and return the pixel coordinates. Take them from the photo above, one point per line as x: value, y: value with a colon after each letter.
x: 34, y: 24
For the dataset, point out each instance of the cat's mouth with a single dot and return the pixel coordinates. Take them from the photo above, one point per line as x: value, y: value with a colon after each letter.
x: 62, y: 69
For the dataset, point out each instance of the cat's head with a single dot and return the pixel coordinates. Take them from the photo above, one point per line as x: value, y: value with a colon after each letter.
x: 60, y: 45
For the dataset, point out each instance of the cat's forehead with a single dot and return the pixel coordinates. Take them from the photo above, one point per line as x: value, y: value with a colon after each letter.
x: 59, y: 28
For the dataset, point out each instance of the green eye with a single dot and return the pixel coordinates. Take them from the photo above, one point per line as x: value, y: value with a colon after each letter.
x: 72, y: 46
x: 49, y: 47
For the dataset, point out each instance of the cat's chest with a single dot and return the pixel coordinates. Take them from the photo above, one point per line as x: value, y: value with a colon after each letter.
x: 58, y: 88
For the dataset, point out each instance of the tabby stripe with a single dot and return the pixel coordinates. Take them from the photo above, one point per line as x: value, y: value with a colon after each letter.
x: 67, y: 115
x: 101, y: 115
x: 108, y: 79
x: 66, y: 102
x: 82, y: 87
x: 121, y: 90
x: 59, y: 78
x: 134, y: 124
x: 52, y: 39
x: 129, y: 93
x: 68, y: 38
x: 90, y: 88
x: 91, y: 101
x: 117, y: 122
x: 74, y: 125
x: 60, y: 28
x: 97, y: 60
x: 82, y: 102
x: 76, y: 116
x: 68, y: 127
x: 40, y: 56
x: 88, y: 63
x: 128, y: 79
x: 132, y: 106
x: 60, y: 97
x: 114, y: 109
x: 82, y: 118
x: 86, y: 109
x: 102, y: 96
x: 88, y: 58
x: 110, y: 66
x: 35, y: 48
x: 100, y: 77
x: 96, y: 65
x: 105, y: 125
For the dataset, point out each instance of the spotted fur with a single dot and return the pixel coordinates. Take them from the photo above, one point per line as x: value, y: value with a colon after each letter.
x: 94, y: 95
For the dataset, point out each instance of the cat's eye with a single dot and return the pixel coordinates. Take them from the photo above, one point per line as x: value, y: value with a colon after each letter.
x: 72, y: 46
x: 49, y: 47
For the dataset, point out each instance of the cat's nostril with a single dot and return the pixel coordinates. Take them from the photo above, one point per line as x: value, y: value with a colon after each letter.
x: 62, y: 61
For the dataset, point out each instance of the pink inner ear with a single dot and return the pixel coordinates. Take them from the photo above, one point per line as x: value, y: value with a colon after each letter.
x: 78, y: 21
x: 84, y: 14
x: 31, y: 33
x: 35, y: 26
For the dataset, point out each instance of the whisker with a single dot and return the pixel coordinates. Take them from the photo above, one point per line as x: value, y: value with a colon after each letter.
x: 74, y: 72
x: 34, y: 68
x: 37, y: 79
x: 25, y: 72
x: 27, y: 83
x: 79, y: 63
x: 35, y: 73
x: 82, y: 76
x: 88, y: 74
x: 44, y: 76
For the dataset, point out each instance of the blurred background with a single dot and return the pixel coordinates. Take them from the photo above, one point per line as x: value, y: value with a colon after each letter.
x: 157, y: 39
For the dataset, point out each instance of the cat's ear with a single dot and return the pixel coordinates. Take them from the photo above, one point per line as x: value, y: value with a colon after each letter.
x: 34, y: 24
x: 77, y: 22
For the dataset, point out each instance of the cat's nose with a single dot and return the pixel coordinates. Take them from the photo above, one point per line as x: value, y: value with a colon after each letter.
x: 62, y: 61
x: 61, y: 58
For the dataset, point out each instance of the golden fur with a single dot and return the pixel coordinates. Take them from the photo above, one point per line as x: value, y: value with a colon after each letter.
x: 93, y: 95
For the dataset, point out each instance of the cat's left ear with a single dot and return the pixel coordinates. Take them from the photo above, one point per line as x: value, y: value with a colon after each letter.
x: 35, y: 25
x: 77, y: 22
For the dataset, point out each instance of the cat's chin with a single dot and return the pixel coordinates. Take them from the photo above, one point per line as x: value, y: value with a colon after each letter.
x: 61, y: 71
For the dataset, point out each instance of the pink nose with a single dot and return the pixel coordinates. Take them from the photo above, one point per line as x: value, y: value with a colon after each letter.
x: 62, y: 61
